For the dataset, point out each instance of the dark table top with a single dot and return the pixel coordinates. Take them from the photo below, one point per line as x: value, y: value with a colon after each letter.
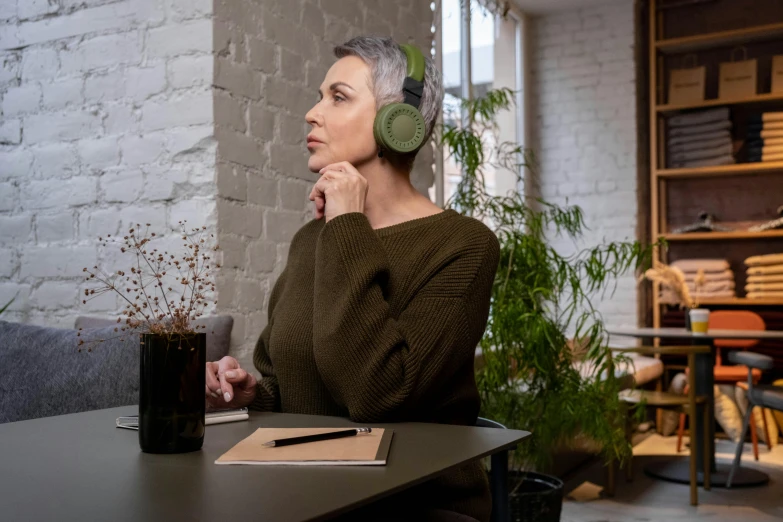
x: 682, y: 333
x: 81, y: 467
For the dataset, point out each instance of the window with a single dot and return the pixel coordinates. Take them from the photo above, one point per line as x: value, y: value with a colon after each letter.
x: 494, y: 58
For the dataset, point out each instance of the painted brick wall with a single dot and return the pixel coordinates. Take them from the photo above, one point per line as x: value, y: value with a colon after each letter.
x: 123, y: 111
x: 106, y: 121
x: 584, y: 127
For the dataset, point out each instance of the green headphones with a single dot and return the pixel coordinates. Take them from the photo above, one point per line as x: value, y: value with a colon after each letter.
x: 399, y: 127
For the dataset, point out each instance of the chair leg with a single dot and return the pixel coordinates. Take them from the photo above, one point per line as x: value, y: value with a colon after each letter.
x: 629, y: 438
x: 753, y: 437
x: 680, y: 432
x: 740, y: 444
x: 611, y: 480
x: 706, y: 457
x: 766, y: 429
x: 692, y: 461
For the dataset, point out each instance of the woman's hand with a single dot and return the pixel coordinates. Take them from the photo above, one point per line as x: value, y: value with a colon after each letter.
x: 228, y: 385
x: 341, y: 189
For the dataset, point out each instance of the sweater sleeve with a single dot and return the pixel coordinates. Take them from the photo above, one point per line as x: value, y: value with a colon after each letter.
x: 267, y: 390
x: 379, y: 364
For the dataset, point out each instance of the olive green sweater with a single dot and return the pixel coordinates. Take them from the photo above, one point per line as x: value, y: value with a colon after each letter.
x: 381, y: 325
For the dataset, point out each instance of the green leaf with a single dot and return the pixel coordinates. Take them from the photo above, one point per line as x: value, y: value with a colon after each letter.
x: 4, y: 308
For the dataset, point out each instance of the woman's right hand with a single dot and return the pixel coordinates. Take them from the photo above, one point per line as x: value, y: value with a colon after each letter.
x: 228, y: 385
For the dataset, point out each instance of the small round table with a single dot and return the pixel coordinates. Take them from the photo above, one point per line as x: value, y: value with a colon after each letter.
x: 677, y: 470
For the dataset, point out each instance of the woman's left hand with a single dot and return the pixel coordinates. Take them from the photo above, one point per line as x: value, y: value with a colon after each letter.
x: 341, y: 189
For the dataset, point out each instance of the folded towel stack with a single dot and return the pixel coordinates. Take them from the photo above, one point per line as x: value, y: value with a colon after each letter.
x: 717, y: 281
x: 765, y: 137
x: 700, y: 139
x: 765, y: 277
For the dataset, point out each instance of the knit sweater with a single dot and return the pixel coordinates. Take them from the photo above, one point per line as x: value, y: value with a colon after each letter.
x: 381, y: 325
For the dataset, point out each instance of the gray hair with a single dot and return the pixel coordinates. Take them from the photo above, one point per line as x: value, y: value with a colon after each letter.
x: 388, y: 64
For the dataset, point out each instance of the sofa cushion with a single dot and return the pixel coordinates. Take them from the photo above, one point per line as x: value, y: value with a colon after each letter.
x: 218, y: 330
x: 639, y: 368
x: 44, y: 374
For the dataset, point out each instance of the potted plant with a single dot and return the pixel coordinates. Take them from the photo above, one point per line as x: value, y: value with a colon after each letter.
x: 164, y: 294
x: 540, y: 310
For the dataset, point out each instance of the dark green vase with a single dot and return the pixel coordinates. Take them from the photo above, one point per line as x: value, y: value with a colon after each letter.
x: 171, y: 392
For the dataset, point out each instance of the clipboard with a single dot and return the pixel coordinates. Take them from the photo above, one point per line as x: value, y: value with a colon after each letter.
x: 371, y: 449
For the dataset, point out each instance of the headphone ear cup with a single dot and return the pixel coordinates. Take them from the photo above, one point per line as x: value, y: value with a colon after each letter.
x: 399, y: 128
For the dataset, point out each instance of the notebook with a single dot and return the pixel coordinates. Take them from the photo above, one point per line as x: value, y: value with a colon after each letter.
x: 131, y: 422
x: 371, y: 449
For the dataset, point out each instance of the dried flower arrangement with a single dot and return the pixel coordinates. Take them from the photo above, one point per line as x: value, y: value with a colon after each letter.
x: 675, y: 287
x: 164, y: 293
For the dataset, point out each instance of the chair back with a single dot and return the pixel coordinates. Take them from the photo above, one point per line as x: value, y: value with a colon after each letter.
x: 735, y: 320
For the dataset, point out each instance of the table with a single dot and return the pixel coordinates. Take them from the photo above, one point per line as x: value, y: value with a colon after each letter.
x: 677, y: 470
x: 81, y: 467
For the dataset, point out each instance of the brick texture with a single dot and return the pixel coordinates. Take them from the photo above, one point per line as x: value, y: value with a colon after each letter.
x: 151, y: 111
x: 105, y: 104
x: 584, y: 112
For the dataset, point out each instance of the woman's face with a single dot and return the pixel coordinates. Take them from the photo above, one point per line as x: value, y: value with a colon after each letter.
x: 342, y: 119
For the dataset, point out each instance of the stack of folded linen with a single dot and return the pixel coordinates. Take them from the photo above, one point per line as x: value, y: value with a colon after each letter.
x: 765, y: 277
x: 717, y: 279
x: 700, y: 139
x: 765, y: 137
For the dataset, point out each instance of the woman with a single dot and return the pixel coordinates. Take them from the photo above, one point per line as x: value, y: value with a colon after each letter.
x: 385, y: 296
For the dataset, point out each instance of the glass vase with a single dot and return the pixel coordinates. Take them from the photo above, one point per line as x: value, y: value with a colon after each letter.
x: 171, y: 392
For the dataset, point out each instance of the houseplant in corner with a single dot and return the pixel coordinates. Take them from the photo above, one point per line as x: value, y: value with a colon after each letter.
x: 163, y: 295
x: 540, y: 309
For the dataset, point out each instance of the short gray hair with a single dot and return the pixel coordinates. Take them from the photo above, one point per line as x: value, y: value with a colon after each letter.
x: 388, y: 65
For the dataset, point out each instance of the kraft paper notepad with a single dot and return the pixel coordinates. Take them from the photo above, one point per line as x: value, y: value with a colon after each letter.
x: 371, y: 449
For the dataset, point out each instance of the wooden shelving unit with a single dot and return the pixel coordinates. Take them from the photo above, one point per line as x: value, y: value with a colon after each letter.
x: 665, y: 53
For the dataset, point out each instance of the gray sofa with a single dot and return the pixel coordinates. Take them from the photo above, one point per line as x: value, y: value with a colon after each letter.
x: 44, y: 374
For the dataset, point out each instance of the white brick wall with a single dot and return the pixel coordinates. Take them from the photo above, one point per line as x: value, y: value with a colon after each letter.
x: 106, y: 121
x: 112, y: 111
x: 585, y: 127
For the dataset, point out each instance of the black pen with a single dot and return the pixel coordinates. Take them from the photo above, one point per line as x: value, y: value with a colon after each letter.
x: 317, y: 437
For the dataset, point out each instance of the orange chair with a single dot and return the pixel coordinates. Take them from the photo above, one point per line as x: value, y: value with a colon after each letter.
x: 733, y: 374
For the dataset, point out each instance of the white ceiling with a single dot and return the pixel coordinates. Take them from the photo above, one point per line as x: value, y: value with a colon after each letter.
x: 537, y: 7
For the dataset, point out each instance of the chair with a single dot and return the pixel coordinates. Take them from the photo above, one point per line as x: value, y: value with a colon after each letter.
x: 498, y: 477
x: 762, y: 395
x: 730, y: 374
x: 690, y: 404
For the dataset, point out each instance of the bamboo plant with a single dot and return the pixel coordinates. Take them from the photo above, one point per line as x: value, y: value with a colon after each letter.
x: 541, y: 302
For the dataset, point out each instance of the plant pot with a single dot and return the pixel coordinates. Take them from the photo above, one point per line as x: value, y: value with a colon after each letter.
x: 539, y: 498
x: 171, y: 392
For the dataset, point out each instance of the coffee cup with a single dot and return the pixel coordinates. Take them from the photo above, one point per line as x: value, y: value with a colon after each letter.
x: 699, y: 320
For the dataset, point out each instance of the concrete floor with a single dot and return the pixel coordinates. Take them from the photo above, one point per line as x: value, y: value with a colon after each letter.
x: 650, y: 500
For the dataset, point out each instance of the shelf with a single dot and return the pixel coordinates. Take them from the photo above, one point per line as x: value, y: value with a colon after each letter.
x: 744, y: 301
x: 686, y: 44
x: 738, y: 169
x: 738, y: 301
x: 759, y: 98
x: 714, y: 236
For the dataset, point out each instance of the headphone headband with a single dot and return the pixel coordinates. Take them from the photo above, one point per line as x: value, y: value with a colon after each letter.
x: 413, y: 85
